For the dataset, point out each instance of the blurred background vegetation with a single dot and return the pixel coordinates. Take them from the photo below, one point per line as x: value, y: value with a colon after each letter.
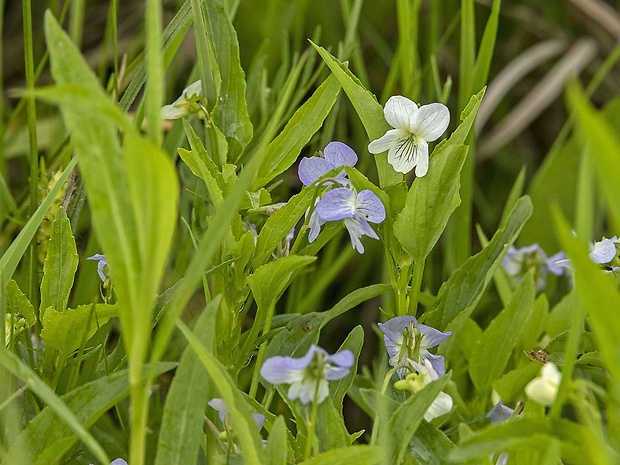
x: 408, y: 47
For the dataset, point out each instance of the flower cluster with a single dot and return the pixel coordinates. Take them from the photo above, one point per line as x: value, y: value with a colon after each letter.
x: 518, y: 262
x: 339, y: 200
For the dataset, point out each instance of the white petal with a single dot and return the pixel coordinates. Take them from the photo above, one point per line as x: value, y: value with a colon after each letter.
x: 551, y: 373
x: 440, y: 406
x: 431, y: 121
x: 421, y: 165
x: 402, y: 155
x: 603, y: 251
x: 172, y: 112
x: 386, y: 141
x: 541, y: 391
x: 400, y: 111
x: 194, y: 88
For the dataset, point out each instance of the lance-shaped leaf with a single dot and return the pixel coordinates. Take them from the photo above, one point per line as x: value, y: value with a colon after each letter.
x: 231, y: 111
x: 60, y: 264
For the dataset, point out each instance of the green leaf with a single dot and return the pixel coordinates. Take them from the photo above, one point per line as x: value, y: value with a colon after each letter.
x: 352, y: 455
x: 534, y: 326
x: 280, y: 223
x: 303, y: 331
x: 181, y: 426
x: 485, y: 52
x: 493, y: 350
x: 339, y: 388
x: 430, y: 203
x: 460, y: 294
x: 241, y: 418
x: 202, y: 165
x: 368, y: 109
x: 65, y: 417
x: 277, y: 446
x: 430, y: 445
x: 510, y: 386
x: 599, y: 293
x: 269, y: 281
x: 81, y: 323
x: 282, y: 152
x: 60, y: 264
x: 395, y: 435
x: 11, y: 258
x: 18, y: 303
x: 576, y: 440
x: 231, y: 112
x: 132, y: 192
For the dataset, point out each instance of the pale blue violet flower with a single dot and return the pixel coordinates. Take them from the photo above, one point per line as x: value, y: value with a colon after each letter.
x: 356, y: 209
x: 102, y: 263
x: 414, y: 127
x: 308, y: 374
x: 222, y: 412
x: 335, y: 154
x: 407, y: 344
x: 517, y: 262
x: 118, y: 462
x: 310, y: 169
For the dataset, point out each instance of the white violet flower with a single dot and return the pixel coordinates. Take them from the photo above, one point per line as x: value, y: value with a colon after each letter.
x: 544, y: 388
x: 182, y: 105
x: 414, y: 127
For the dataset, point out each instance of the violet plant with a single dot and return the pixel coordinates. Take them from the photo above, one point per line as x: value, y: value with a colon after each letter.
x: 285, y: 268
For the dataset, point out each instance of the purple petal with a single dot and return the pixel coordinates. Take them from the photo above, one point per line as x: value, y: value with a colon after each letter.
x: 339, y: 154
x: 556, y: 263
x: 259, y: 418
x: 311, y: 169
x: 370, y: 207
x: 431, y: 336
x: 219, y: 405
x: 500, y: 413
x: 315, y: 223
x: 337, y: 204
x: 334, y: 373
x: 393, y: 333
x: 279, y: 370
x: 344, y: 358
x: 393, y: 328
x: 436, y: 361
x: 118, y: 462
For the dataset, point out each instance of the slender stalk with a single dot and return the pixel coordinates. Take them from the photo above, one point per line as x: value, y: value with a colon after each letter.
x: 310, y: 438
x: 375, y: 424
x: 261, y: 352
x: 32, y: 139
x: 416, y: 284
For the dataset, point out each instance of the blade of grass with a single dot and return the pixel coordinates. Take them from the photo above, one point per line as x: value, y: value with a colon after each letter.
x: 154, y: 62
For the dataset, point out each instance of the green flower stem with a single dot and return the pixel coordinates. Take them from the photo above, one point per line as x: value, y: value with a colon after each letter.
x: 261, y: 352
x: 402, y: 281
x: 310, y: 438
x: 375, y: 425
x: 33, y: 145
x: 416, y: 284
